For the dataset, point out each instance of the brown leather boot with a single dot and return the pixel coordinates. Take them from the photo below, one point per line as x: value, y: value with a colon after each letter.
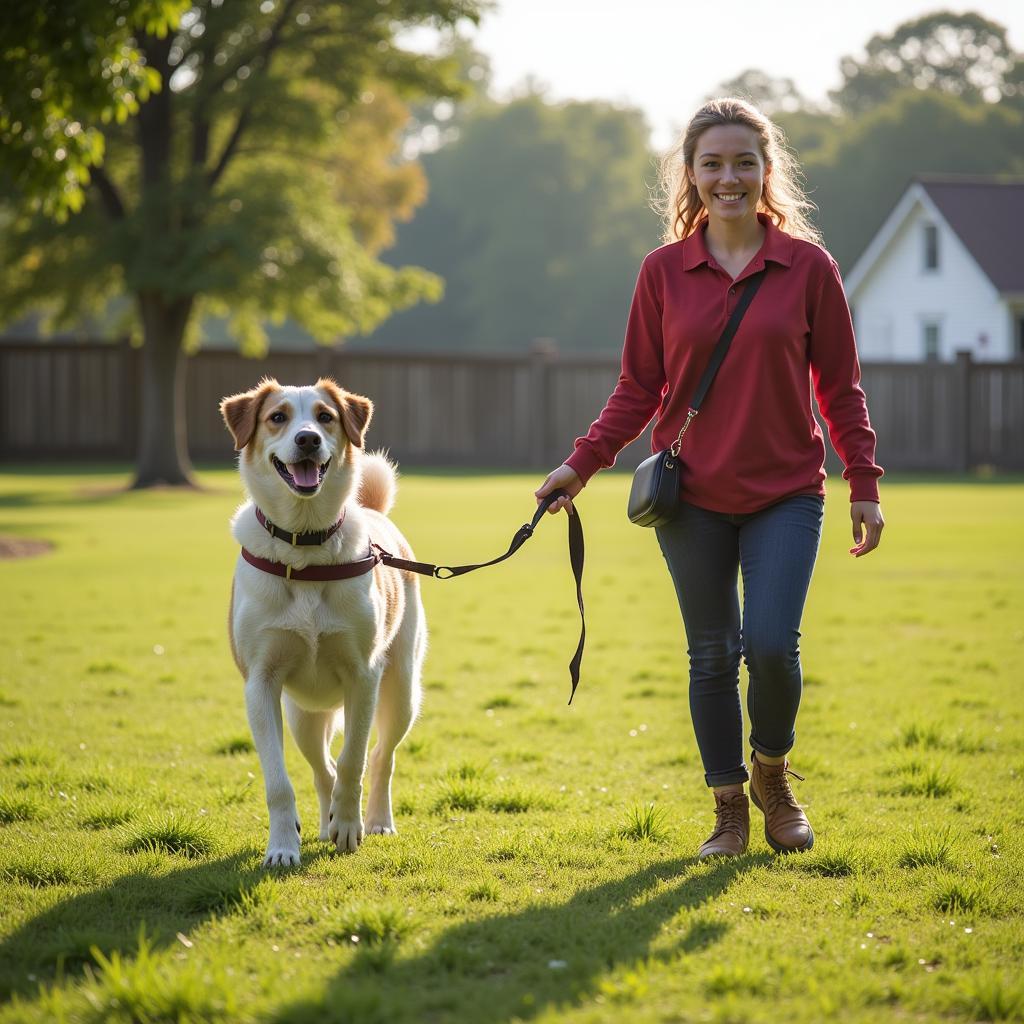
x: 732, y: 827
x: 785, y: 825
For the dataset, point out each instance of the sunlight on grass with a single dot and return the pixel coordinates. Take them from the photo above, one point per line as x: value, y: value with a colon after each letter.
x: 372, y: 924
x: 41, y: 870
x: 147, y: 987
x: 645, y: 824
x: 837, y: 862
x: 236, y: 745
x: 174, y: 833
x: 954, y: 895
x: 928, y: 849
x: 545, y: 864
x: 14, y: 809
x: 109, y: 816
x: 993, y: 997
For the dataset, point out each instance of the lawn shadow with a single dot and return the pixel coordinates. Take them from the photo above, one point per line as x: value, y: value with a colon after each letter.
x: 515, y: 966
x: 58, y: 941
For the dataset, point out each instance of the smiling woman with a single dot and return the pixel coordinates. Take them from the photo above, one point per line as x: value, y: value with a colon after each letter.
x: 752, y: 468
x: 769, y: 173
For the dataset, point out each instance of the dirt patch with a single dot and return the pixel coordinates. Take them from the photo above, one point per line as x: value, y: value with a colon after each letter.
x: 23, y: 547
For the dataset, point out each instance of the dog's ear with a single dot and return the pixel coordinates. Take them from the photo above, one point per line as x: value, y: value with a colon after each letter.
x: 241, y: 412
x: 355, y: 410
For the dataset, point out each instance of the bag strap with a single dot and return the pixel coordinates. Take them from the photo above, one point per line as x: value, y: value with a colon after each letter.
x: 522, y: 535
x: 718, y: 355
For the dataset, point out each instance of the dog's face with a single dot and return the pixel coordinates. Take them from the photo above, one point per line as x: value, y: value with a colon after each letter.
x: 295, y: 440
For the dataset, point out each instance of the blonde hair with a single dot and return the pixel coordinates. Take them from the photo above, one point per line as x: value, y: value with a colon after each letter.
x: 783, y: 200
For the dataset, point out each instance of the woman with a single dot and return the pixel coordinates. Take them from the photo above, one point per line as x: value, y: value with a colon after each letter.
x: 753, y: 476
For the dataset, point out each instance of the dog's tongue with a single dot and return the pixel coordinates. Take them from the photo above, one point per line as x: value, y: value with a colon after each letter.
x: 305, y: 473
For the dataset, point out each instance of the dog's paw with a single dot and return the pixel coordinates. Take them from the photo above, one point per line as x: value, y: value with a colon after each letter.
x: 346, y: 835
x: 385, y: 827
x: 281, y: 857
x: 283, y: 853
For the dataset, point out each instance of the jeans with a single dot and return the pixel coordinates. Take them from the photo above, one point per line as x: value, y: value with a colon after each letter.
x: 775, y: 550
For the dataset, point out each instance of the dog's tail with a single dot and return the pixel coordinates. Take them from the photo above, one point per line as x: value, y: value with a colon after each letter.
x: 378, y: 483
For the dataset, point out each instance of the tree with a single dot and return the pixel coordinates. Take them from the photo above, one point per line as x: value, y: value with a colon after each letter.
x: 66, y: 67
x: 962, y: 55
x: 771, y: 95
x: 257, y: 181
x: 436, y: 123
x: 538, y: 219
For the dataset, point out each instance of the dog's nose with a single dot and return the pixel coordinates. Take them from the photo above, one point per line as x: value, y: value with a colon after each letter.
x: 307, y: 440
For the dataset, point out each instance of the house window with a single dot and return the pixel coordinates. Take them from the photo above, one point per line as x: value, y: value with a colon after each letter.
x: 931, y: 247
x: 932, y: 339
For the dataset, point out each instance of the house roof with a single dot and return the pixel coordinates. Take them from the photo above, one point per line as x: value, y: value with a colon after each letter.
x: 987, y: 214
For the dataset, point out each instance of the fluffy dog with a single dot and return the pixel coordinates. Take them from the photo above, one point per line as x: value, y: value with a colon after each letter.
x: 319, y: 647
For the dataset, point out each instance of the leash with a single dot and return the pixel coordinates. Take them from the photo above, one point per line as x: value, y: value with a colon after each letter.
x: 378, y: 556
x: 522, y: 535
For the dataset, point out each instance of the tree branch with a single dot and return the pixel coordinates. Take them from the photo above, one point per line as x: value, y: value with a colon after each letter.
x: 200, y: 140
x: 112, y: 201
x: 272, y: 43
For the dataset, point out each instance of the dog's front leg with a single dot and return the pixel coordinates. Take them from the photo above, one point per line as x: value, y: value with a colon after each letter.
x: 263, y: 704
x: 346, y: 828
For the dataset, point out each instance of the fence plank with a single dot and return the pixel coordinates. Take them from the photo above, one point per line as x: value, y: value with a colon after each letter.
x: 434, y: 408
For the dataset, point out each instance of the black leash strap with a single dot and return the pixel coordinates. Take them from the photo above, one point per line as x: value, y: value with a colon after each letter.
x: 522, y: 535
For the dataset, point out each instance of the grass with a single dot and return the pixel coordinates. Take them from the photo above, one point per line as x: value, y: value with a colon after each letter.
x: 173, y: 833
x: 544, y: 869
x: 645, y: 824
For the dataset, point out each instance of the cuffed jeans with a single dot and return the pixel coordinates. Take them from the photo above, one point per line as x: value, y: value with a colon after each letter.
x: 775, y: 550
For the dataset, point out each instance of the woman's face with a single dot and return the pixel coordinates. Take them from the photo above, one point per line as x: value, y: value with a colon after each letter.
x: 729, y: 171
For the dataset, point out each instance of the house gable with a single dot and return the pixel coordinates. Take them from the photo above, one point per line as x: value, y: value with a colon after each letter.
x: 905, y: 310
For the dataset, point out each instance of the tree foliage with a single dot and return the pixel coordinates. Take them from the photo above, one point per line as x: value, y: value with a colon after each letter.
x: 67, y: 67
x: 963, y: 55
x: 537, y: 219
x: 770, y: 94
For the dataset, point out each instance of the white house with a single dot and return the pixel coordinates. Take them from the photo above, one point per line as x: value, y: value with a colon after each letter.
x: 944, y: 274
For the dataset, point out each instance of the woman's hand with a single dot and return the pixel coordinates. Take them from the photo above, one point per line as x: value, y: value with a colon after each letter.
x: 562, y: 479
x: 867, y: 526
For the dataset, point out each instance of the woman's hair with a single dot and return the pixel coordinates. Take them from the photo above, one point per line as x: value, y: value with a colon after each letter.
x: 783, y: 199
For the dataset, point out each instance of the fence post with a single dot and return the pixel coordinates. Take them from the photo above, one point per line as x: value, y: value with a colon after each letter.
x: 131, y: 387
x: 542, y: 352
x: 962, y: 400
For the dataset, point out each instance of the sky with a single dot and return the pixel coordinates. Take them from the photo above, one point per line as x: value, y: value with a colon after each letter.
x: 665, y: 56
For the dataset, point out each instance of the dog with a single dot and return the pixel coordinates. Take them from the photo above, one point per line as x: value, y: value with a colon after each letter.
x: 348, y: 649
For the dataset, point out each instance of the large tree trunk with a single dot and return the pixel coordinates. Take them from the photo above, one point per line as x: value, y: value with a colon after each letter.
x: 163, y: 440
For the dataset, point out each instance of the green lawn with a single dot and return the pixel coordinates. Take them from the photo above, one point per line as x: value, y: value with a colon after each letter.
x: 132, y: 819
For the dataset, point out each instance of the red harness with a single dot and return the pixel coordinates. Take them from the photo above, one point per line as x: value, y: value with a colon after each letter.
x: 345, y: 571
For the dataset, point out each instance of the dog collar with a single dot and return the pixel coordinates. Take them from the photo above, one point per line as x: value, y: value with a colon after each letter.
x: 298, y: 539
x: 321, y: 573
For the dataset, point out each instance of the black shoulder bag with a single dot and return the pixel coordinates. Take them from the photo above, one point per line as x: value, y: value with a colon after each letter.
x: 654, y: 495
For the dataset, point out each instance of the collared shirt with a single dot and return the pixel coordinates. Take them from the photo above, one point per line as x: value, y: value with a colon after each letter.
x: 755, y: 440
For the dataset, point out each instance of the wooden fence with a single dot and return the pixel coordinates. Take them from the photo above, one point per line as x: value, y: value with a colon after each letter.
x: 81, y: 402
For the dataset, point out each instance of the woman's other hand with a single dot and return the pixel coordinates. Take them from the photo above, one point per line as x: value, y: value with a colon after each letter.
x: 562, y: 479
x: 867, y: 526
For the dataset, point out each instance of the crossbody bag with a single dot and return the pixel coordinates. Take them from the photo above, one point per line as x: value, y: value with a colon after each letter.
x: 654, y: 494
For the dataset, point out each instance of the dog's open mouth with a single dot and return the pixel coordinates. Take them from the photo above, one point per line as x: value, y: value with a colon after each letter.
x: 302, y: 477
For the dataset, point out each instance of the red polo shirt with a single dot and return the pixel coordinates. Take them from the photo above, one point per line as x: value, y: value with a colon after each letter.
x: 755, y: 440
